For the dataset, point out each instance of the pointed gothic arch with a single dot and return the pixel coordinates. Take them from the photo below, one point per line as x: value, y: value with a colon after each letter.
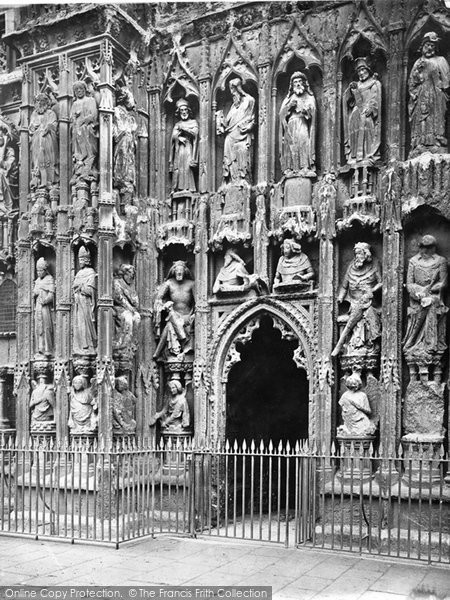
x: 293, y: 323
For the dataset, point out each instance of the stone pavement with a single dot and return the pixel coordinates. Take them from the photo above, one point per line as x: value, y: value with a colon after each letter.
x: 300, y: 573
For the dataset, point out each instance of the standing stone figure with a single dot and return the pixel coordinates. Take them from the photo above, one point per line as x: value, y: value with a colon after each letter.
x: 298, y: 126
x: 426, y: 281
x: 355, y: 410
x: 174, y: 416
x: 363, y: 327
x: 9, y: 170
x: 83, y: 407
x: 123, y: 407
x: 176, y: 298
x: 362, y: 116
x: 42, y: 402
x: 124, y: 134
x: 184, y: 149
x: 238, y: 129
x: 44, y: 301
x: 126, y: 308
x: 428, y: 82
x: 84, y: 119
x: 84, y: 289
x: 294, y: 267
x: 44, y: 143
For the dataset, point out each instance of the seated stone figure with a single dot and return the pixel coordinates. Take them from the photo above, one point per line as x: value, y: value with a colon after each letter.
x: 174, y: 417
x: 293, y: 268
x: 233, y: 277
x: 355, y: 410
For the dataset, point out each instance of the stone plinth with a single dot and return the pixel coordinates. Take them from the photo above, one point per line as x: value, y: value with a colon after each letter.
x: 356, y: 451
x: 422, y: 460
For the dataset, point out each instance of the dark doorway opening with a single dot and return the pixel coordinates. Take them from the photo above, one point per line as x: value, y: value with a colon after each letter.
x: 267, y: 394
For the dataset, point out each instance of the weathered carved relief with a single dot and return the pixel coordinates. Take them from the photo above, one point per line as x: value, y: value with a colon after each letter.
x: 428, y: 81
x: 123, y: 407
x: 84, y: 120
x: 84, y: 290
x: 175, y: 299
x: 174, y: 417
x: 126, y: 316
x: 44, y: 148
x: 355, y: 410
x: 360, y: 327
x: 42, y: 405
x: 294, y: 270
x: 83, y: 416
x: 234, y: 279
x: 44, y: 303
x: 125, y: 139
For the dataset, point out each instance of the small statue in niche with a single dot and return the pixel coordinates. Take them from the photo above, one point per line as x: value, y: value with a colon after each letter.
x: 298, y: 127
x: 124, y: 135
x: 184, y: 149
x: 363, y: 326
x: 362, y: 114
x: 44, y: 300
x: 429, y: 78
x: 174, y: 417
x: 42, y: 402
x: 426, y: 281
x: 326, y: 207
x: 123, y: 407
x: 294, y: 267
x: 238, y: 129
x: 84, y: 119
x: 234, y: 278
x: 176, y: 298
x: 43, y: 130
x: 355, y: 410
x: 83, y: 407
x: 84, y: 289
x: 9, y: 170
x: 126, y: 308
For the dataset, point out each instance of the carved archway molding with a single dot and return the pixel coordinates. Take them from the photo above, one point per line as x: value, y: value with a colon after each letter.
x: 293, y: 322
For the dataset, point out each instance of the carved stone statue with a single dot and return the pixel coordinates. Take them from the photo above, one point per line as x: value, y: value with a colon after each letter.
x: 362, y: 116
x: 176, y: 298
x: 355, y: 409
x: 426, y: 281
x: 84, y: 119
x: 43, y: 130
x: 429, y: 78
x: 42, y: 402
x: 8, y: 171
x: 298, y: 127
x: 234, y: 278
x: 44, y: 301
x: 238, y: 129
x: 124, y: 134
x: 83, y: 407
x: 123, y: 407
x: 362, y: 323
x: 84, y: 289
x: 174, y: 416
x: 184, y: 149
x: 294, y: 267
x: 126, y: 304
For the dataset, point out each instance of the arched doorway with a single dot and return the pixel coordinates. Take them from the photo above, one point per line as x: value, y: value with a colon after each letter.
x: 267, y: 395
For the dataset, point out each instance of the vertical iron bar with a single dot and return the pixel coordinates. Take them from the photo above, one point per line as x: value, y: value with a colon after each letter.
x: 252, y: 490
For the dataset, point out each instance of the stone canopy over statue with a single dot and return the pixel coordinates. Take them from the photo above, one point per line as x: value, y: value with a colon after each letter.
x: 362, y: 330
x: 237, y: 127
x: 176, y: 300
x: 298, y: 128
x: 428, y: 81
x: 362, y: 116
x: 424, y: 342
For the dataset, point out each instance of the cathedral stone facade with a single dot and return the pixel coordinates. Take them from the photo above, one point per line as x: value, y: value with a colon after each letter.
x: 226, y: 220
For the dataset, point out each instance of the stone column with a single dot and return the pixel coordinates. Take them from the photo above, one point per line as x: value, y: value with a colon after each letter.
x: 392, y: 291
x: 201, y: 255
x: 4, y: 421
x: 65, y: 150
x: 25, y: 112
x: 105, y: 369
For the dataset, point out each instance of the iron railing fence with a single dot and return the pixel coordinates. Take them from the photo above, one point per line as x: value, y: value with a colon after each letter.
x: 349, y: 498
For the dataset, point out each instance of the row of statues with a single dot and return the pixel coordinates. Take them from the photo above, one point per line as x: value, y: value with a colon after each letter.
x: 362, y: 111
x: 174, y: 310
x: 83, y: 408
